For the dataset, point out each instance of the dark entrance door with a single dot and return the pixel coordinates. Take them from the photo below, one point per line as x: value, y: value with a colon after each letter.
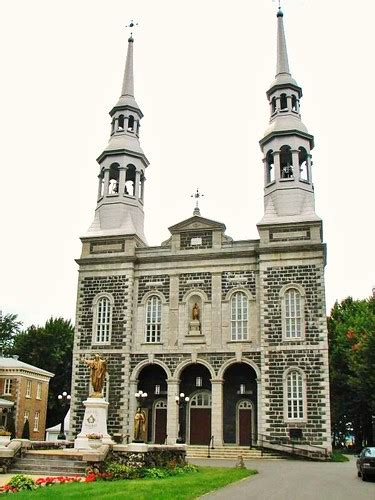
x: 244, y: 423
x: 200, y: 425
x: 160, y: 422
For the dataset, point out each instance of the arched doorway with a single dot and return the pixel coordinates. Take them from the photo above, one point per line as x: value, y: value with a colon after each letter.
x: 239, y: 404
x: 244, y: 423
x: 200, y: 418
x: 195, y: 415
x: 153, y: 380
x: 160, y: 421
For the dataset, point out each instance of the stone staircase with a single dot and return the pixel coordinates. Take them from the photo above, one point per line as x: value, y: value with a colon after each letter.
x: 229, y: 452
x: 49, y: 463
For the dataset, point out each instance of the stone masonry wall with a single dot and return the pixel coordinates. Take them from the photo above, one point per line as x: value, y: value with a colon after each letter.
x: 204, y: 236
x: 117, y: 286
x: 151, y: 282
x: 310, y: 277
x: 233, y: 279
x: 312, y: 364
x: 201, y: 281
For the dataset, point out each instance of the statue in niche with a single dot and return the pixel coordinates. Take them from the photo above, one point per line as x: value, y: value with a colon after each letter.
x: 98, y: 369
x: 195, y: 324
x: 195, y: 312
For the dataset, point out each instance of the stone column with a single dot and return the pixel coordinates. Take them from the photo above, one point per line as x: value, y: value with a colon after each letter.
x: 106, y: 181
x: 172, y: 411
x: 136, y: 185
x: 276, y: 162
x: 217, y: 411
x: 289, y: 102
x: 260, y: 411
x: 133, y: 385
x: 121, y: 180
x: 295, y: 164
x: 100, y: 186
x: 309, y: 171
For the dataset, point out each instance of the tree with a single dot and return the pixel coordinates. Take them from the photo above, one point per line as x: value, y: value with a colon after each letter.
x: 49, y: 347
x: 26, y: 430
x: 9, y: 328
x: 351, y: 330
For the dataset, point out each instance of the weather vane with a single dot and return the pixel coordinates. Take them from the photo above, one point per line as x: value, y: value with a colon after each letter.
x: 197, y: 195
x: 132, y: 25
x: 279, y: 2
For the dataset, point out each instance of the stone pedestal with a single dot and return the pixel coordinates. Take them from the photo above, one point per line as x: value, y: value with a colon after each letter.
x: 94, y: 422
x: 195, y: 327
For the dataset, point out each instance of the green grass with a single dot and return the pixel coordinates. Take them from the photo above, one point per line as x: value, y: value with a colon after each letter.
x: 338, y: 457
x: 186, y: 486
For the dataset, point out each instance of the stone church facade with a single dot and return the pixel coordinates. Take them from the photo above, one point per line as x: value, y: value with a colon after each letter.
x: 237, y: 328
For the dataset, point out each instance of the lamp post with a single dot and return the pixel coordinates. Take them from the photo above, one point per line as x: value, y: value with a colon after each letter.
x: 140, y: 417
x: 64, y: 400
x: 181, y: 402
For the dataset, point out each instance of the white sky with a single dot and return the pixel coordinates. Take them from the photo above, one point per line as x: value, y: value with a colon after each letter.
x: 201, y: 72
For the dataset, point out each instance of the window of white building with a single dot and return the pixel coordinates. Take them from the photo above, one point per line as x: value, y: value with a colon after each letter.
x: 153, y: 319
x: 26, y: 415
x: 28, y: 388
x: 239, y: 316
x: 7, y: 386
x: 292, y: 309
x: 39, y: 391
x: 295, y: 395
x: 102, y: 320
x: 36, y: 421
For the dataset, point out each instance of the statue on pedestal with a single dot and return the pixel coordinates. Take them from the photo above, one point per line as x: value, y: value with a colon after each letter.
x: 195, y: 324
x: 139, y: 425
x: 98, y: 370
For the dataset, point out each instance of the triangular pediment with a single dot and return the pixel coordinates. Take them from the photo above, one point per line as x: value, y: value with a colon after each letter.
x: 197, y: 223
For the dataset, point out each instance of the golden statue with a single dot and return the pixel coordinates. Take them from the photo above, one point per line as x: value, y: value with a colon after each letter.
x: 195, y: 312
x: 98, y: 368
x: 139, y: 425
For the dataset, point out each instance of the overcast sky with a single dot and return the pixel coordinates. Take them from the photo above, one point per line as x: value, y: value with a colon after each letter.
x: 201, y: 72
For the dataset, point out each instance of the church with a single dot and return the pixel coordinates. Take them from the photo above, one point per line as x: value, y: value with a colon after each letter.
x: 214, y: 339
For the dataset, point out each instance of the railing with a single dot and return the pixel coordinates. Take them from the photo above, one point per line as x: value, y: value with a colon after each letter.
x: 210, y: 446
x: 299, y: 448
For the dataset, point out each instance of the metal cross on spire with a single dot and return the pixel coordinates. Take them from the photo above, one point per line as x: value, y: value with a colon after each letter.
x: 132, y: 25
x: 197, y: 195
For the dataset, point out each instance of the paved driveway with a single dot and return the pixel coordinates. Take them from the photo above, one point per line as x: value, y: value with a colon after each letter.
x: 295, y: 480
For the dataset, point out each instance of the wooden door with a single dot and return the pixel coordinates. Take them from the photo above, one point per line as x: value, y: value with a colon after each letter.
x: 160, y: 425
x: 200, y: 425
x: 244, y: 422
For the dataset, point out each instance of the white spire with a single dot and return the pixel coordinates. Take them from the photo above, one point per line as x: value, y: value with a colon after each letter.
x: 128, y: 82
x: 282, y: 65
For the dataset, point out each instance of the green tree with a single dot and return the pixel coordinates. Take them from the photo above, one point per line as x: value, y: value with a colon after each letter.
x: 9, y: 328
x: 50, y: 348
x: 351, y: 330
x: 26, y: 430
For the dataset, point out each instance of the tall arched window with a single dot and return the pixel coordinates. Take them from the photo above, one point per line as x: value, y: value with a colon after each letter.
x: 153, y: 319
x: 131, y: 123
x: 293, y: 314
x: 270, y: 166
x: 120, y: 123
x: 283, y: 102
x: 103, y: 320
x: 294, y: 395
x: 286, y: 162
x: 239, y: 316
x: 273, y: 103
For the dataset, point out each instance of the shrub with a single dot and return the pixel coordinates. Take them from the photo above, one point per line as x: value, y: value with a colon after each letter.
x: 21, y: 482
x: 121, y: 471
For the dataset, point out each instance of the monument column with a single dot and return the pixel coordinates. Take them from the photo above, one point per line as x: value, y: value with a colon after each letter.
x: 217, y: 411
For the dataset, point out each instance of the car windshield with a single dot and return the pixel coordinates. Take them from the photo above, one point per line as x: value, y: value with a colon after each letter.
x: 369, y: 452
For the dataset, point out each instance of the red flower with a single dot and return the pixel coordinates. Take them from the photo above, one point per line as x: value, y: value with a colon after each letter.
x: 350, y: 334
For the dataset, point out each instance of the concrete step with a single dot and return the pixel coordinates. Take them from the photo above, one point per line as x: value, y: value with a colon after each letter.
x: 49, y: 464
x: 28, y: 472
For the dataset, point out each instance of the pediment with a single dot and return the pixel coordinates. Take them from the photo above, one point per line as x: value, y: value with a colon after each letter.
x: 197, y: 223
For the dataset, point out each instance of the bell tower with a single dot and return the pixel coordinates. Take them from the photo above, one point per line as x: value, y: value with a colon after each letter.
x: 286, y: 148
x: 122, y: 167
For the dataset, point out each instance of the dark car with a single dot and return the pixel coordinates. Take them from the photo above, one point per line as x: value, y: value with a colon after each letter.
x: 366, y: 463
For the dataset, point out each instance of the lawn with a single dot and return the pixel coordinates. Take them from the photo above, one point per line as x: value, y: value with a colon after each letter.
x: 186, y: 486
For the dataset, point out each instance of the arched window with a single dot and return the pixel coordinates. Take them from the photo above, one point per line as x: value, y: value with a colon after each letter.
x: 293, y: 314
x: 153, y: 319
x: 303, y: 166
x: 286, y: 162
x: 201, y: 400
x: 294, y: 392
x: 239, y: 316
x: 120, y: 124
x: 103, y: 320
x: 270, y: 167
x: 131, y: 123
x: 294, y: 103
x: 273, y: 104
x: 114, y: 176
x: 130, y: 180
x: 283, y: 102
